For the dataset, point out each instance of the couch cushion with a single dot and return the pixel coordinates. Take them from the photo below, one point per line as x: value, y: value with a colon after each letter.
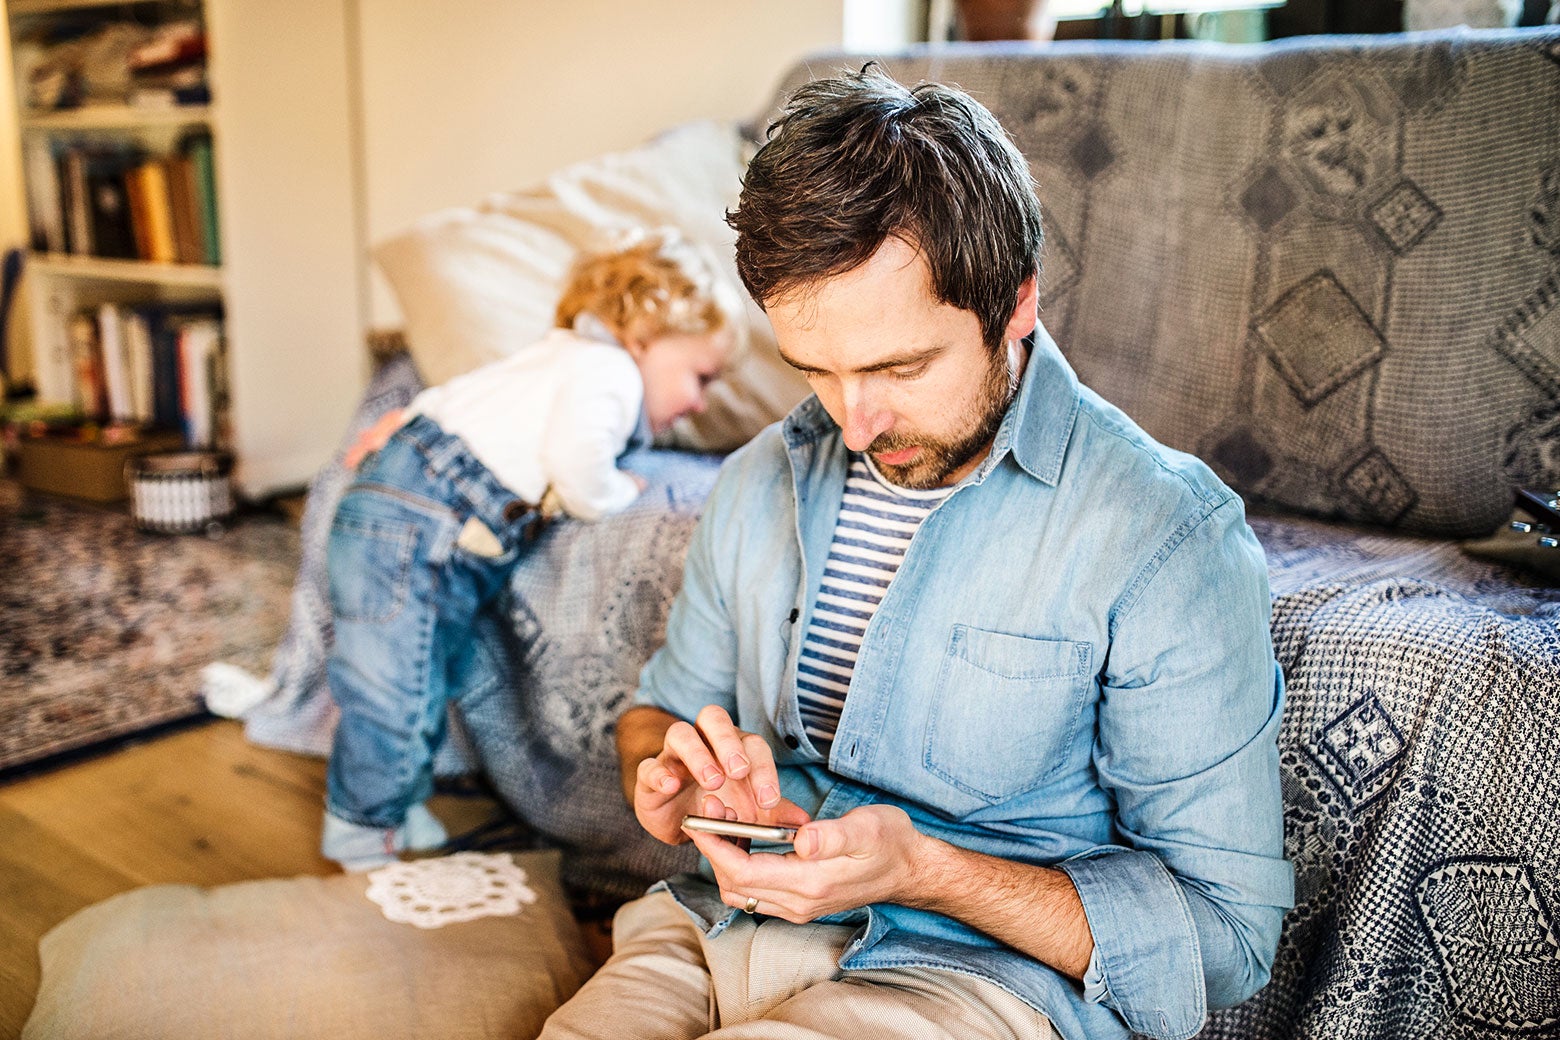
x: 1331, y: 268
x: 475, y: 284
x: 304, y: 957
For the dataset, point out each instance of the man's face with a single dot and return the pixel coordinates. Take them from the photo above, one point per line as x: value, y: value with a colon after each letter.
x: 908, y: 379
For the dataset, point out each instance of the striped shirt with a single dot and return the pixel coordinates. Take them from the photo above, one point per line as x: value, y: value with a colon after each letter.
x: 875, y: 525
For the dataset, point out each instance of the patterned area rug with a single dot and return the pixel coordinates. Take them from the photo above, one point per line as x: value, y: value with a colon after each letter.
x: 104, y: 629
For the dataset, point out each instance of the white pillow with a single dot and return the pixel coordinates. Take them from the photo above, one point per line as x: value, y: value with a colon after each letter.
x: 476, y: 284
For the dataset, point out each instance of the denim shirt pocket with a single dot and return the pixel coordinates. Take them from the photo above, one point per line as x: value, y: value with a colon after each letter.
x: 1005, y: 711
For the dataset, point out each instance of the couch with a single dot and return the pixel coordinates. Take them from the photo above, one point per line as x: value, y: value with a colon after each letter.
x: 1331, y: 268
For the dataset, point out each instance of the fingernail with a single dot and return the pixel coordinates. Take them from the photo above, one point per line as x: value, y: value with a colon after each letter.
x: 668, y: 783
x: 712, y: 777
x: 812, y: 843
x: 736, y: 764
x: 768, y: 795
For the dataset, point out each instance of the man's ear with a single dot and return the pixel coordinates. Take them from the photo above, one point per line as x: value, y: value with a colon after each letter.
x: 1025, y: 310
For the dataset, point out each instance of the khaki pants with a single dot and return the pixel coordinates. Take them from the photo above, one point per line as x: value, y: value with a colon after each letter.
x: 770, y: 979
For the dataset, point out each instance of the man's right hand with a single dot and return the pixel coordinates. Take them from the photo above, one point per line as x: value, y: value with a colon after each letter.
x: 707, y: 768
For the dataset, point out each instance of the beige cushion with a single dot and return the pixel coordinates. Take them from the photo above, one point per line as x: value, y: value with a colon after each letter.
x: 475, y: 284
x: 303, y: 957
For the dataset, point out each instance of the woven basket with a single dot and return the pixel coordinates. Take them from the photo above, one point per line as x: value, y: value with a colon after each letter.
x: 181, y: 492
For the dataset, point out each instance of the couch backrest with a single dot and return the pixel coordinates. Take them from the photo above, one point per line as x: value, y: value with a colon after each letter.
x: 1328, y: 266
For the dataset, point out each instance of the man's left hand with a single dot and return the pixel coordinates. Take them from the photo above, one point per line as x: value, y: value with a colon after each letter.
x: 867, y: 856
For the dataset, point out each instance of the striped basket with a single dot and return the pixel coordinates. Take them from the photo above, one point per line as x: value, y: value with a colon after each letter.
x: 181, y: 492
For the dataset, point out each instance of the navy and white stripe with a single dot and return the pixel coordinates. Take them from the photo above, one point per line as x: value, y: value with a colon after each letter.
x: 875, y: 525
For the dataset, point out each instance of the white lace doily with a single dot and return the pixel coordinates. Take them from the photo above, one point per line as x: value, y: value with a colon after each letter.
x: 431, y: 893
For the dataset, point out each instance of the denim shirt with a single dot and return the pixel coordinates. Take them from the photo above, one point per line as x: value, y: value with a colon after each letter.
x: 1072, y: 668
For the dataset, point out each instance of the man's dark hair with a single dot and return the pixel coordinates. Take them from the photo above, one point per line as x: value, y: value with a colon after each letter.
x: 858, y: 158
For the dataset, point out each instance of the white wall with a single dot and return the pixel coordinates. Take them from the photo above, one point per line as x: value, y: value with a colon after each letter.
x: 465, y: 97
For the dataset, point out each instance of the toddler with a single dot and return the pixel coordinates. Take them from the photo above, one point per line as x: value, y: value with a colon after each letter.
x: 451, y: 490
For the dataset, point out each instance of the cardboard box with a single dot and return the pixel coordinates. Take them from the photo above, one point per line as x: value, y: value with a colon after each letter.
x: 85, y: 469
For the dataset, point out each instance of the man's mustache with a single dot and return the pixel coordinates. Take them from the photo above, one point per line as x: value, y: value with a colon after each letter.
x: 885, y: 443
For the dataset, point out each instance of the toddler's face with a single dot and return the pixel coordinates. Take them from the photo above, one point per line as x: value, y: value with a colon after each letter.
x: 676, y: 369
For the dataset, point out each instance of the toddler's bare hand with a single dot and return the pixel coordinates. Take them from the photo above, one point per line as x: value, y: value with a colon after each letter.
x: 374, y: 438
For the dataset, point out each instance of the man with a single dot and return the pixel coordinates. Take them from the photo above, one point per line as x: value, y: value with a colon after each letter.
x: 1001, y: 658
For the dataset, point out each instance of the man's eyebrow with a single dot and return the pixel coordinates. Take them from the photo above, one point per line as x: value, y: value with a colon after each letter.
x: 902, y: 360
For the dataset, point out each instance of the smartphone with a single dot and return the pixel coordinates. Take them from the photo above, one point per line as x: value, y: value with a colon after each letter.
x: 733, y: 829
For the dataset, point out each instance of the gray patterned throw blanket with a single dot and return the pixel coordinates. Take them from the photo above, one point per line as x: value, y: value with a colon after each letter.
x: 1421, y: 772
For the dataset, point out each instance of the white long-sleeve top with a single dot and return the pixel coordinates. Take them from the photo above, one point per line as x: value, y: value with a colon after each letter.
x: 556, y: 414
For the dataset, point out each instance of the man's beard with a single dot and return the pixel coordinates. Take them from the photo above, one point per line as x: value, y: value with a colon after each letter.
x: 938, y: 460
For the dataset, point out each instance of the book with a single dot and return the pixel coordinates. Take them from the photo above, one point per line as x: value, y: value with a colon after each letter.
x: 91, y: 391
x: 198, y: 341
x: 53, y: 353
x: 138, y: 351
x: 157, y: 210
x: 185, y: 209
x: 78, y: 212
x: 140, y: 222
x: 166, y: 409
x: 46, y: 220
x: 116, y: 363
x: 199, y: 150
x: 109, y: 204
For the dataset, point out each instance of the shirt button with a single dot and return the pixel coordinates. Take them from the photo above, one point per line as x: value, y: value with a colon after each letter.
x: 792, y: 743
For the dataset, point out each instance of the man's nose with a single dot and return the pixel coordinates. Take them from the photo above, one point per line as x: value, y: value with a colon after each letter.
x: 864, y: 417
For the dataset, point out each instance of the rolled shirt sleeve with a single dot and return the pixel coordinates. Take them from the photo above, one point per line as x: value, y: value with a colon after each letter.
x: 1186, y: 911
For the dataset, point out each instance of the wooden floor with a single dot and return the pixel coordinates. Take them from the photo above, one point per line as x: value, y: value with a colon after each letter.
x: 202, y: 807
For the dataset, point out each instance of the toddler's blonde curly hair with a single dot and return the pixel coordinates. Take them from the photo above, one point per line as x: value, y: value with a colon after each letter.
x: 649, y: 284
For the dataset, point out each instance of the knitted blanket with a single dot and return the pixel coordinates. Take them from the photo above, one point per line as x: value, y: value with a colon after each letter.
x: 1420, y: 757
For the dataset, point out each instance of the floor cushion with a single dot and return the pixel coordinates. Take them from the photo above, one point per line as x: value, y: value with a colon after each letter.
x: 313, y: 956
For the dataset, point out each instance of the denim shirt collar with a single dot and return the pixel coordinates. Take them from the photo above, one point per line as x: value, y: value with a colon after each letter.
x: 1035, y: 429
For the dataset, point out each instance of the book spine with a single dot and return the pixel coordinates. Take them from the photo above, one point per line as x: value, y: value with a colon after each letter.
x: 110, y: 205
x: 138, y: 348
x: 159, y: 212
x: 56, y: 374
x: 79, y: 213
x: 200, y: 154
x: 91, y: 393
x: 165, y: 371
x: 47, y: 225
x: 140, y: 223
x: 186, y: 218
x: 116, y: 368
x: 197, y: 347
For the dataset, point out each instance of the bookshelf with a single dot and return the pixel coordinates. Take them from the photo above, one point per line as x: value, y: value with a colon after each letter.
x: 263, y: 238
x: 144, y: 272
x: 119, y: 117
